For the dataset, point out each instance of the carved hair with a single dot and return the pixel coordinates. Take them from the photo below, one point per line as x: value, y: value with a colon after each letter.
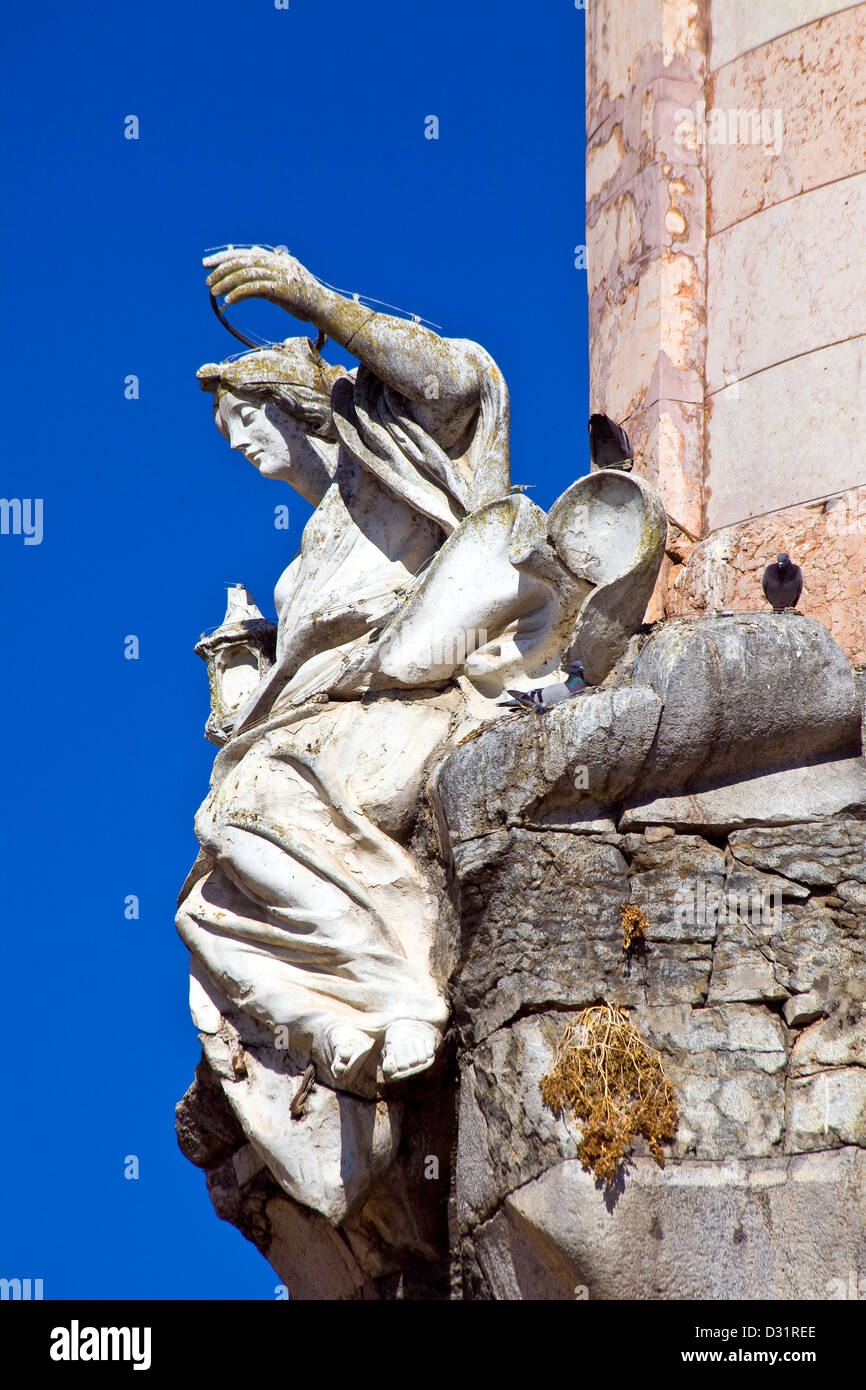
x: 293, y: 374
x: 309, y: 407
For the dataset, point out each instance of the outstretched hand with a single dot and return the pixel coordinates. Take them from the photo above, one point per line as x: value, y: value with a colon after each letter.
x: 257, y: 273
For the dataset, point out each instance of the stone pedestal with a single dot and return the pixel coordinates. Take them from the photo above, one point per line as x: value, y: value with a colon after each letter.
x: 736, y: 823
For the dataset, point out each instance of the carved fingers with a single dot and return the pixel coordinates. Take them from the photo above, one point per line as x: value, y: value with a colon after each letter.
x: 260, y: 274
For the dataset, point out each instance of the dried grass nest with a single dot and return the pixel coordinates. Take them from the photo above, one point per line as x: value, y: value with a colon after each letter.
x: 606, y: 1076
x: 634, y: 927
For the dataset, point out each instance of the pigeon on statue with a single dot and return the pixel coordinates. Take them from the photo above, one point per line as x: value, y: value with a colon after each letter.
x: 544, y: 696
x: 609, y: 445
x: 783, y: 584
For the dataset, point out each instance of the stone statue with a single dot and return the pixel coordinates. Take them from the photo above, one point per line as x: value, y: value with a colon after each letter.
x: 424, y: 588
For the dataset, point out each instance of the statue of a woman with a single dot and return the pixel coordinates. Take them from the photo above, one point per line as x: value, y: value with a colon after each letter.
x: 423, y: 586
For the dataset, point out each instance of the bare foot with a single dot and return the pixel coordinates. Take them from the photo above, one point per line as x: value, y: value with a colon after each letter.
x: 348, y: 1049
x: 409, y: 1048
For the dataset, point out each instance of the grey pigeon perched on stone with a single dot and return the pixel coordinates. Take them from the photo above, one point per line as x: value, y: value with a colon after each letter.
x: 544, y: 696
x: 783, y: 584
x: 609, y: 445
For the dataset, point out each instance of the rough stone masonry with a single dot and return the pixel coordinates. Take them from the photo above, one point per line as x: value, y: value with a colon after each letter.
x: 751, y: 872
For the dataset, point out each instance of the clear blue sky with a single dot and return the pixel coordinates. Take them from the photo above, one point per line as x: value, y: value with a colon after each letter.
x: 303, y: 127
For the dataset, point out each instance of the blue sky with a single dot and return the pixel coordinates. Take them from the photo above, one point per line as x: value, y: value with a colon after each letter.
x: 303, y: 127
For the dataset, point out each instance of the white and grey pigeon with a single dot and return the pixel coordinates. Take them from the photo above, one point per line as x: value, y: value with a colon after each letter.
x: 544, y: 696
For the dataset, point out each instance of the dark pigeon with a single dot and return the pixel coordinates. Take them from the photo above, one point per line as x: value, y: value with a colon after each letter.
x: 609, y: 445
x: 544, y: 696
x: 783, y: 584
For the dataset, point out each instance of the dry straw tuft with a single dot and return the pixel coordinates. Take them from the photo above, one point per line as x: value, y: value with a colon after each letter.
x: 634, y: 926
x: 615, y: 1085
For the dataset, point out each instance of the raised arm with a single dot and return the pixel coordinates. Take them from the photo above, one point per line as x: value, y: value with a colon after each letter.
x: 405, y: 355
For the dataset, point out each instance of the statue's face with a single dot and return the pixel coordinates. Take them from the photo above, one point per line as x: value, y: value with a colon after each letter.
x: 264, y: 433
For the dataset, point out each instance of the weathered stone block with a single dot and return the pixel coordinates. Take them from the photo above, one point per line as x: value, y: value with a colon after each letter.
x: 742, y: 1229
x: 755, y: 301
x: 739, y: 25
x: 817, y: 854
x: 805, y: 412
x: 541, y: 923
x: 838, y: 1041
x: 826, y: 1110
x: 821, y: 127
x: 506, y: 1134
x: 727, y: 1065
x: 720, y: 721
x: 556, y: 768
x: 817, y: 791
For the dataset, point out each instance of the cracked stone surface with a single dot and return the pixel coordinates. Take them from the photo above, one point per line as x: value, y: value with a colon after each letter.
x: 769, y: 1228
x: 747, y: 987
x: 750, y: 988
x: 748, y: 982
x: 530, y: 769
x: 819, y: 855
x: 726, y: 687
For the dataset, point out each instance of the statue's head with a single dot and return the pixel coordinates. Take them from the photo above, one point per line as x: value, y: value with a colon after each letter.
x: 272, y: 402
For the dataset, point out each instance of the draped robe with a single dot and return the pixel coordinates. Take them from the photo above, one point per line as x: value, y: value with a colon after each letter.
x: 304, y: 910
